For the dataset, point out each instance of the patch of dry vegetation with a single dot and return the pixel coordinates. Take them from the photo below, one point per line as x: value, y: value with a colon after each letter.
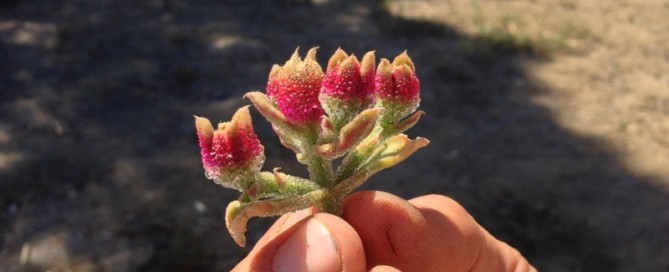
x: 609, y: 68
x: 512, y: 26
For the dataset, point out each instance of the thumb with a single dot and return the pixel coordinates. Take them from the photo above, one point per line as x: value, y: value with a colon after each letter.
x: 321, y: 242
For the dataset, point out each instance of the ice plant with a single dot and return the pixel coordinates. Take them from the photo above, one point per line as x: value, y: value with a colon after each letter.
x: 350, y: 111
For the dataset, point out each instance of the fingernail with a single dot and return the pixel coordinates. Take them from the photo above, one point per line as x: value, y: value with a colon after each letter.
x: 310, y: 248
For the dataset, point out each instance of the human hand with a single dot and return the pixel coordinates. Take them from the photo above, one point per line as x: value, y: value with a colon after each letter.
x: 382, y: 232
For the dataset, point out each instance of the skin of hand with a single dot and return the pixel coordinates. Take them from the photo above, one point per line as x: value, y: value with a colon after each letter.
x: 382, y: 232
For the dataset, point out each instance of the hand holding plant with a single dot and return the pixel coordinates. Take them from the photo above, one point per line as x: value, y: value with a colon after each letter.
x: 350, y: 111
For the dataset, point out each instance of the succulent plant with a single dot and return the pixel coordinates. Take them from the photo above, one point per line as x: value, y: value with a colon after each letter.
x: 350, y: 111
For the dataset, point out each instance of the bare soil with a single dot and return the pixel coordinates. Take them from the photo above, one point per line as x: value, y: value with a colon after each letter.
x: 548, y: 121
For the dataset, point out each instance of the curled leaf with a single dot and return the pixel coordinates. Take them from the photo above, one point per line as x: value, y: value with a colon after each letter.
x: 231, y: 217
x: 237, y: 214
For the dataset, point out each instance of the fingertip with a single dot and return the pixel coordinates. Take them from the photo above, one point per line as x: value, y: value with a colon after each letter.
x: 348, y: 242
x: 320, y: 242
x: 295, y: 217
x: 284, y: 222
x: 384, y: 268
x: 309, y: 248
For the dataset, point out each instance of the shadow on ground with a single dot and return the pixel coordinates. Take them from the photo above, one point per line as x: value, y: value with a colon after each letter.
x: 99, y: 161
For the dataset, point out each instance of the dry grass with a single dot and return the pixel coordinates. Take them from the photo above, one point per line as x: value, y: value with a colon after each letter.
x: 608, y: 73
x: 523, y: 26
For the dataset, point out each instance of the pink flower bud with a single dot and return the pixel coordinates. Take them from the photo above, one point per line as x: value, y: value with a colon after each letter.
x: 272, y: 85
x: 230, y: 152
x: 294, y: 87
x: 348, y: 86
x: 397, y: 88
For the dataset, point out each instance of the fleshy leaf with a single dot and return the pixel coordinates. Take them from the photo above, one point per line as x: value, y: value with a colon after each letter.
x: 262, y: 103
x: 394, y: 150
x: 351, y: 134
x: 404, y: 124
x: 287, y: 140
x: 281, y: 125
x: 236, y: 225
x: 237, y: 214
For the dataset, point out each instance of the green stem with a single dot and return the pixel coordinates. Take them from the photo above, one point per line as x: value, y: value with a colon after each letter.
x: 346, y: 186
x: 329, y: 203
x: 320, y: 169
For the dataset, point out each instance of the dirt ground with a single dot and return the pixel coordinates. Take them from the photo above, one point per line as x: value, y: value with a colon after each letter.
x: 548, y: 121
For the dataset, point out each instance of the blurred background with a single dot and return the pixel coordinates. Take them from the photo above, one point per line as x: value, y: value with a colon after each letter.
x: 548, y: 121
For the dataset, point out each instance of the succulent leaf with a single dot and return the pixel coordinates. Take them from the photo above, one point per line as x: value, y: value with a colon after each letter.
x: 404, y: 124
x: 237, y: 214
x: 351, y: 134
x: 393, y: 151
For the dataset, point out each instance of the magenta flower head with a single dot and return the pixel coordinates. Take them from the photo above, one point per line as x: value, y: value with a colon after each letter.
x: 348, y: 86
x: 231, y: 154
x: 294, y: 87
x: 397, y: 88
